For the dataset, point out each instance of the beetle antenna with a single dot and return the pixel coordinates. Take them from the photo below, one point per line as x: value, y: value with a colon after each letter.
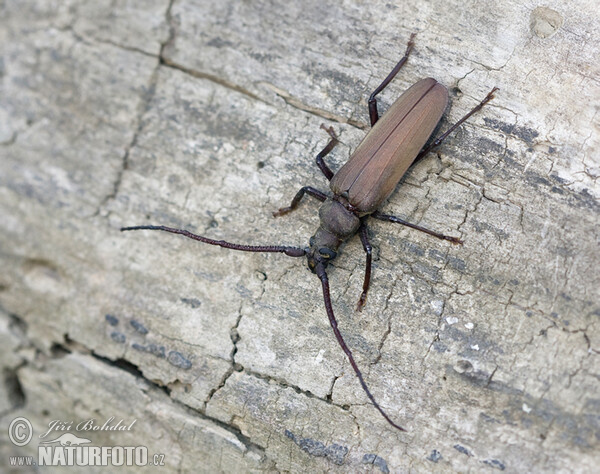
x: 290, y: 251
x: 320, y: 270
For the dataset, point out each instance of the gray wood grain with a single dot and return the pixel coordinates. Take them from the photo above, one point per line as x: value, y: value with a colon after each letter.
x: 205, y: 115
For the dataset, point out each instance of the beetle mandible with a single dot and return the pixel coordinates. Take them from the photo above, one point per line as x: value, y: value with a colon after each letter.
x: 361, y: 185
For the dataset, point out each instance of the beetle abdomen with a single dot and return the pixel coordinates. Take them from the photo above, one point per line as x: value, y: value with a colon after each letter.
x: 390, y: 147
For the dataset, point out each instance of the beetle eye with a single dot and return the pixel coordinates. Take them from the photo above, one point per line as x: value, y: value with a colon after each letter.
x: 311, y: 241
x: 327, y: 253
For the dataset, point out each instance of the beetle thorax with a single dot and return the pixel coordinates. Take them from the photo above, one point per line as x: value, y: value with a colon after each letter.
x: 337, y: 225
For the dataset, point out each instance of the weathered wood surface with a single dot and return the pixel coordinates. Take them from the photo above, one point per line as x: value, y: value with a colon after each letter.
x: 205, y: 115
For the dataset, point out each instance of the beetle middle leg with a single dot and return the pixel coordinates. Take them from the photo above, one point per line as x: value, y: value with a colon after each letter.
x: 320, y: 195
x: 386, y: 217
x: 373, y: 113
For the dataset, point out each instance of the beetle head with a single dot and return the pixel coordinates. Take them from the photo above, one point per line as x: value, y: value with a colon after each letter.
x: 322, y: 249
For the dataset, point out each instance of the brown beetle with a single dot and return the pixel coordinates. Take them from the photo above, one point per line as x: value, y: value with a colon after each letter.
x: 361, y: 185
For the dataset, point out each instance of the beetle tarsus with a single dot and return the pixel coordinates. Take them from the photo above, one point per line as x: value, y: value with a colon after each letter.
x: 362, y: 301
x: 454, y: 240
x: 282, y: 211
x: 490, y: 96
x: 330, y: 131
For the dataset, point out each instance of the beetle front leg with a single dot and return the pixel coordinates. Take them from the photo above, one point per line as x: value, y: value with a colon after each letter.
x: 373, y: 113
x: 364, y: 238
x: 397, y: 220
x: 321, y: 196
x: 325, y: 151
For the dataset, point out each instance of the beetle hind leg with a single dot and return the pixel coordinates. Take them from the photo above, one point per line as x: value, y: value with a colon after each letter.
x: 438, y: 141
x: 397, y: 220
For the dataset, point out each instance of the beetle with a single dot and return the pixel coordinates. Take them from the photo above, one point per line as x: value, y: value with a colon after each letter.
x: 361, y: 185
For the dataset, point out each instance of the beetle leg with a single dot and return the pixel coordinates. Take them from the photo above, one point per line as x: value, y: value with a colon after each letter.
x: 442, y: 137
x: 373, y: 114
x: 386, y: 217
x: 364, y: 238
x: 321, y: 196
x: 325, y: 151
